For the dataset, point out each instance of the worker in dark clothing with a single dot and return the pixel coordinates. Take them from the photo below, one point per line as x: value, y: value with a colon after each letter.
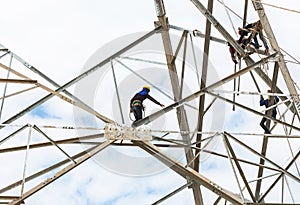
x: 136, y: 103
x: 254, y: 28
x: 267, y: 103
x: 233, y: 51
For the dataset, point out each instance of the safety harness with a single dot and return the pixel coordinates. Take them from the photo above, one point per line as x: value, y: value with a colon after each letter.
x: 136, y: 103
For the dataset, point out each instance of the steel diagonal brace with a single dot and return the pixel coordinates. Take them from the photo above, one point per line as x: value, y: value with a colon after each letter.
x: 37, y: 71
x: 189, y: 172
x: 44, y: 171
x: 254, y: 111
x: 193, y: 96
x: 81, y: 76
x: 279, y: 167
x: 172, y: 193
x: 76, y: 100
x: 60, y: 173
x: 249, y: 61
x: 279, y: 177
x: 75, y: 103
x: 53, y: 142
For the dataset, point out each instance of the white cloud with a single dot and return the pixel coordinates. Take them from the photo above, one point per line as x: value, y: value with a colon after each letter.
x: 57, y: 37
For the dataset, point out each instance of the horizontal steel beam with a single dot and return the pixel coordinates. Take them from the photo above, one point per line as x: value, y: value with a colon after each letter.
x: 17, y: 81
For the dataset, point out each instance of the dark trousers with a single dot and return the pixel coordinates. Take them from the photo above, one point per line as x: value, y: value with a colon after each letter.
x: 248, y: 40
x: 138, y: 112
x: 262, y: 124
x: 256, y: 44
x: 232, y: 52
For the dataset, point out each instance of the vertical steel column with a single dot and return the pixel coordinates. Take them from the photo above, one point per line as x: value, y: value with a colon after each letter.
x: 181, y: 113
x: 203, y: 85
x: 245, y: 13
x: 265, y: 139
x: 183, y: 64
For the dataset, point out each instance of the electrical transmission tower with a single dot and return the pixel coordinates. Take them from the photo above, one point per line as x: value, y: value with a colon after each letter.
x: 191, y: 136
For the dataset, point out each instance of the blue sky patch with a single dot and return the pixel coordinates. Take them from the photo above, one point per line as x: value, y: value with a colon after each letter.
x: 209, y: 166
x: 41, y: 112
x: 235, y: 121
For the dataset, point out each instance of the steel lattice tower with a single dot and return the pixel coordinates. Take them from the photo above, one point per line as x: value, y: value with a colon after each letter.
x: 258, y: 176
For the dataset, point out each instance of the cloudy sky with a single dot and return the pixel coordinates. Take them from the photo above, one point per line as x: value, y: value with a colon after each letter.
x: 60, y: 37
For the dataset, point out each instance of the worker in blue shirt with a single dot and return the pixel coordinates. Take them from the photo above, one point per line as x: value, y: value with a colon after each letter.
x: 267, y: 103
x: 136, y: 103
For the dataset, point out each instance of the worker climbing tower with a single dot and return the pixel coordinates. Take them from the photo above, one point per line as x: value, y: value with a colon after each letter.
x: 207, y: 135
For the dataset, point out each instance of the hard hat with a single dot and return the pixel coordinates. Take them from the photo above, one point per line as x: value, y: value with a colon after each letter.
x: 147, y: 86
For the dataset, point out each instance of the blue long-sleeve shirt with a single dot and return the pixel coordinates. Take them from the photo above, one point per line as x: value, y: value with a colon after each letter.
x: 265, y: 102
x: 142, y: 95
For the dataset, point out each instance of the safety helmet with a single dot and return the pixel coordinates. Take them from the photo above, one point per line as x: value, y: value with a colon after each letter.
x: 147, y: 87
